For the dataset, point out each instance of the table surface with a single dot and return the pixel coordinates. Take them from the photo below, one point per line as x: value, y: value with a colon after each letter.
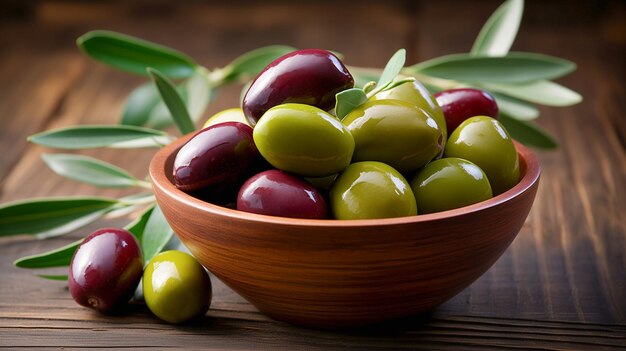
x: 560, y: 285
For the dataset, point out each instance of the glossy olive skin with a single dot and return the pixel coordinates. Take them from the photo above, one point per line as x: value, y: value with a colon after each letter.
x: 416, y: 94
x: 484, y: 141
x: 304, y: 140
x: 461, y: 104
x: 371, y: 189
x: 449, y: 183
x: 309, y: 76
x: 176, y: 287
x: 216, y: 154
x: 234, y: 114
x: 394, y: 132
x: 105, y: 269
x: 277, y: 193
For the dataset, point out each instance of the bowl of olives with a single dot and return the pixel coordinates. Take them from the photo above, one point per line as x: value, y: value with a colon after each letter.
x: 333, y: 223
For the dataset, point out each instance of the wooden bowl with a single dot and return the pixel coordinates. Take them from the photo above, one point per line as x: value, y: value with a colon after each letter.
x: 345, y: 273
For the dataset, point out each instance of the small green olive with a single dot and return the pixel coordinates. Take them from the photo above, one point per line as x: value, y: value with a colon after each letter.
x: 449, y: 183
x: 416, y: 94
x: 394, y: 132
x: 176, y: 287
x: 303, y: 139
x: 371, y: 189
x: 485, y: 142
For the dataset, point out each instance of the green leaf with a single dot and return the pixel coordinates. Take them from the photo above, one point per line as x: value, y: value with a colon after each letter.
x: 499, y: 32
x: 348, y: 100
x: 60, y: 277
x: 542, y: 92
x: 94, y: 136
x: 90, y: 170
x: 52, y: 216
x: 518, y: 67
x: 527, y: 133
x: 250, y: 64
x: 134, y: 55
x: 174, y: 102
x: 138, y: 226
x: 516, y: 108
x: 157, y: 233
x: 59, y: 257
x: 392, y: 69
x: 140, y: 104
x: 199, y: 94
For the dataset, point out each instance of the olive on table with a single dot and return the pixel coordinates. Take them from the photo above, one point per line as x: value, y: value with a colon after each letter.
x: 371, y: 189
x: 176, y: 287
x: 449, y: 183
x: 304, y: 140
x: 277, y: 193
x: 217, y: 154
x: 105, y: 269
x: 416, y: 93
x: 461, y: 104
x: 394, y: 132
x: 309, y: 76
x: 483, y: 141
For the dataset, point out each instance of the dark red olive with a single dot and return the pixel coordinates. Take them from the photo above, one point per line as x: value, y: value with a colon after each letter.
x: 461, y: 104
x: 217, y: 154
x: 277, y: 193
x: 310, y: 76
x: 105, y: 269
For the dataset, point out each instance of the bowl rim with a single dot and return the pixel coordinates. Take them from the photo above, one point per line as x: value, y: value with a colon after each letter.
x: 529, y: 166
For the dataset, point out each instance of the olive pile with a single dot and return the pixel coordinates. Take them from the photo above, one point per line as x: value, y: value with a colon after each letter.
x: 285, y: 153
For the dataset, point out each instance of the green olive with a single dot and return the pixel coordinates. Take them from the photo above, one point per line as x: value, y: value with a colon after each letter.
x: 394, y: 132
x: 303, y: 139
x: 485, y: 142
x: 416, y: 94
x: 371, y: 189
x: 176, y: 287
x: 449, y: 183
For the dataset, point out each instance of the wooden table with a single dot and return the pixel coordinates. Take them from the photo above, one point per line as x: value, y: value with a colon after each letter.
x: 560, y: 285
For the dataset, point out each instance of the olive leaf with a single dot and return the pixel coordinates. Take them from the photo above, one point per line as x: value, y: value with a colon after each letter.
x: 541, y: 92
x: 174, y: 102
x: 392, y: 68
x: 515, y: 67
x: 61, y: 277
x: 91, y: 171
x: 138, y: 226
x: 528, y: 133
x: 95, y: 136
x: 516, y: 108
x: 140, y: 104
x: 348, y: 100
x: 253, y: 62
x: 498, y: 34
x: 52, y: 216
x: 135, y: 55
x: 156, y: 234
x: 59, y: 257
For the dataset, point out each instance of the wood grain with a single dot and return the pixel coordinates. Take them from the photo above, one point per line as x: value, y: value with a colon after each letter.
x: 560, y: 285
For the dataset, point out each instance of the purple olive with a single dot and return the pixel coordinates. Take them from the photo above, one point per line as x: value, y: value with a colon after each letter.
x: 105, y: 269
x: 277, y: 193
x: 217, y: 154
x: 461, y: 104
x: 310, y: 76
